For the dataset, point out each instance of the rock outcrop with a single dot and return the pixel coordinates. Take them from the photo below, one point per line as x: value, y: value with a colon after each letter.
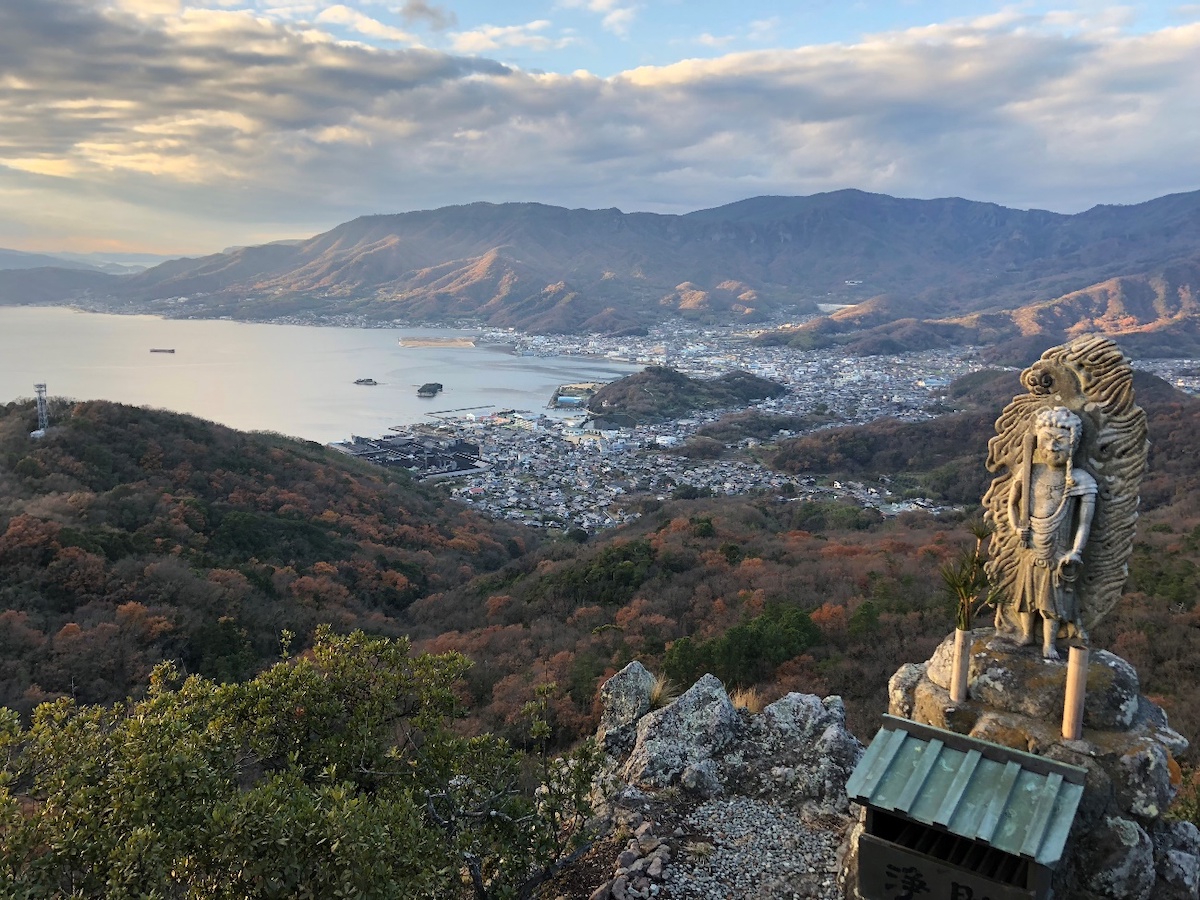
x: 718, y: 801
x: 626, y: 698
x: 798, y: 746
x: 686, y: 735
x: 1128, y: 749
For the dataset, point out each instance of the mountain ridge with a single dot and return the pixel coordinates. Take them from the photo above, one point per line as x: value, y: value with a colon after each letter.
x: 552, y: 269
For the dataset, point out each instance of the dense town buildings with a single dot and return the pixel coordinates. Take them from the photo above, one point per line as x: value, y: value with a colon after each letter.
x: 557, y: 467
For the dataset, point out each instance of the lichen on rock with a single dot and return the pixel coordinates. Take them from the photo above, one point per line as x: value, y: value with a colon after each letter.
x: 1128, y: 749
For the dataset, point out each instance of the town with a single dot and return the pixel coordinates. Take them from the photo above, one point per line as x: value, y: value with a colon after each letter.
x: 563, y: 468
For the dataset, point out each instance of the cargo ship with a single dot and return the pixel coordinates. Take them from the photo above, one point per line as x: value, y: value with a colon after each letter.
x: 162, y: 349
x: 429, y: 389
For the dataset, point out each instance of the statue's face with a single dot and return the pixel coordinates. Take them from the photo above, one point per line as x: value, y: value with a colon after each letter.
x: 1055, y: 444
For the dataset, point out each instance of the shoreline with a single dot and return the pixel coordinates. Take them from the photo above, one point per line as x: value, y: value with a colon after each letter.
x: 417, y: 343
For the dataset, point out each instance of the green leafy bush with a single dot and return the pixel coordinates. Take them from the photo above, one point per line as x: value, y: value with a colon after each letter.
x: 747, y: 653
x: 334, y: 774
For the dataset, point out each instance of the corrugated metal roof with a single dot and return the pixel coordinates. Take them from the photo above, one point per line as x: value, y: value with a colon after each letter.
x: 1016, y: 802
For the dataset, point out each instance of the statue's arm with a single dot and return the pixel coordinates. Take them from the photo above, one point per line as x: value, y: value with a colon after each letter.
x: 1014, y: 511
x: 1087, y: 509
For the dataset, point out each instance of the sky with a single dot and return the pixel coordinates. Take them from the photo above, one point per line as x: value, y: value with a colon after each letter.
x: 187, y: 126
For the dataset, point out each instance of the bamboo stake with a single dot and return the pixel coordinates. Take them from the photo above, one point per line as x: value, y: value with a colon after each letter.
x: 1077, y: 664
x: 962, y: 665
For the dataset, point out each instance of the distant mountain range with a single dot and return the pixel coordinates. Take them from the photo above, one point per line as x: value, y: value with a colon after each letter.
x: 914, y: 272
x: 18, y: 259
x: 111, y: 263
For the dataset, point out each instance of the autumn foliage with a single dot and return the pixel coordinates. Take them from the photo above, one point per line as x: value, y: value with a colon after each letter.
x: 129, y: 536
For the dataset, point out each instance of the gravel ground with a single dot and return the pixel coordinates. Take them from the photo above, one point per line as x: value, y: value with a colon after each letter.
x: 739, y: 847
x: 730, y: 848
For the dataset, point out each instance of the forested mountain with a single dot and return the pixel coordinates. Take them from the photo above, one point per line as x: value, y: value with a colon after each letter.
x: 660, y: 393
x: 128, y: 536
x: 544, y: 268
x: 1153, y: 313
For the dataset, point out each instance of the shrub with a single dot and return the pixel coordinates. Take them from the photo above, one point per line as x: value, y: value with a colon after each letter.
x: 331, y: 774
x: 746, y: 653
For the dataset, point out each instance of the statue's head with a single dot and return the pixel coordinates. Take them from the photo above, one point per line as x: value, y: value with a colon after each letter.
x: 1058, y: 430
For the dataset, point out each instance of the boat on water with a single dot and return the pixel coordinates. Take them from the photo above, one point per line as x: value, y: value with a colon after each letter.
x: 162, y: 349
x: 429, y: 389
x: 365, y: 381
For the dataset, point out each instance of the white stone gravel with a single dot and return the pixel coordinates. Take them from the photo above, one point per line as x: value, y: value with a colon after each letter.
x: 740, y: 847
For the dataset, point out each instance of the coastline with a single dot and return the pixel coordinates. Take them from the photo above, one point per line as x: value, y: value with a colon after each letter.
x: 461, y: 343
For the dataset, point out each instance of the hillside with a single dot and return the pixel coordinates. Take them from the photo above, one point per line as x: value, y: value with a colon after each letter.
x: 944, y: 458
x: 129, y: 535
x: 787, y: 594
x: 660, y: 393
x: 1153, y: 313
x: 42, y: 286
x: 18, y: 259
x: 544, y: 268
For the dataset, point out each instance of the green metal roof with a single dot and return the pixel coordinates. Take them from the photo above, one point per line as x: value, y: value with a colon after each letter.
x: 1016, y: 802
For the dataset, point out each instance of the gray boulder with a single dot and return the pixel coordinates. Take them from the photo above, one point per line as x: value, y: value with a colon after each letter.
x: 1119, y: 864
x: 626, y: 698
x: 1145, y: 788
x: 1177, y: 858
x: 1113, y: 691
x: 901, y: 687
x: 702, y: 778
x: 695, y: 727
x: 806, y: 748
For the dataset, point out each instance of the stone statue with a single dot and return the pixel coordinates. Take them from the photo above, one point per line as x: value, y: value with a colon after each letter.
x: 1052, y: 506
x: 1069, y: 457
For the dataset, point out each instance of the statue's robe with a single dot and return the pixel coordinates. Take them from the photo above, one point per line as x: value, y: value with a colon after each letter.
x: 1040, y: 587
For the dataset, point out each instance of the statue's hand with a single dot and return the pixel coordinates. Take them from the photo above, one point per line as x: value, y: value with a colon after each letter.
x: 1069, y: 559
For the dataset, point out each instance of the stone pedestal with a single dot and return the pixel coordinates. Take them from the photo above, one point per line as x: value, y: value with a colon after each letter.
x: 1121, y: 848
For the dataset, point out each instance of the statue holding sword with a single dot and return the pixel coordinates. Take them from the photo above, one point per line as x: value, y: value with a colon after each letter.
x: 1069, y: 458
x: 1053, y: 504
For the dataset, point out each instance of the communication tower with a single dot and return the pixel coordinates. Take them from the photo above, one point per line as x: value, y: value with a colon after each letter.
x: 43, y: 414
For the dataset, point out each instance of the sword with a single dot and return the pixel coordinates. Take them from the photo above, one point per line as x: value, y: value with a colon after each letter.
x: 1027, y: 444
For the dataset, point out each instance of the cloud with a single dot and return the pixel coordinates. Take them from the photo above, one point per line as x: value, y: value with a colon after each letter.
x: 434, y: 16
x: 149, y: 7
x: 494, y: 37
x: 763, y: 29
x: 616, y: 16
x: 236, y: 123
x: 364, y: 24
x: 757, y: 32
x: 710, y: 40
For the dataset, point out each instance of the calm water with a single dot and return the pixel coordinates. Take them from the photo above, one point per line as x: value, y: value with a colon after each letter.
x: 287, y: 378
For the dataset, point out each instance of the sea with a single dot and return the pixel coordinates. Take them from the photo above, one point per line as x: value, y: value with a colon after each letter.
x: 292, y: 379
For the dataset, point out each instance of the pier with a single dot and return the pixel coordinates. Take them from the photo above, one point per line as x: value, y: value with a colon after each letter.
x: 445, y: 412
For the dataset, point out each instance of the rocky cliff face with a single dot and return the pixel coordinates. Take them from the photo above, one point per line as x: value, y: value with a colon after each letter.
x: 1121, y: 847
x: 701, y: 799
x: 706, y: 800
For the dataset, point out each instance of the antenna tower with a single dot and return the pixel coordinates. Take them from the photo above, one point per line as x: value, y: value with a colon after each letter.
x: 43, y: 415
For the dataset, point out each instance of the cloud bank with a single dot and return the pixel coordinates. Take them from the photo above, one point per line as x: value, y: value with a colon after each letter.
x: 149, y: 123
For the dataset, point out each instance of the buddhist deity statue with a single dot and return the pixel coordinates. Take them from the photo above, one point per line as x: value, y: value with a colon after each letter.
x: 1069, y: 456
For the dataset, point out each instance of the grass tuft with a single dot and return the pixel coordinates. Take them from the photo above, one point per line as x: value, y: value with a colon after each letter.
x: 662, y: 692
x: 748, y: 699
